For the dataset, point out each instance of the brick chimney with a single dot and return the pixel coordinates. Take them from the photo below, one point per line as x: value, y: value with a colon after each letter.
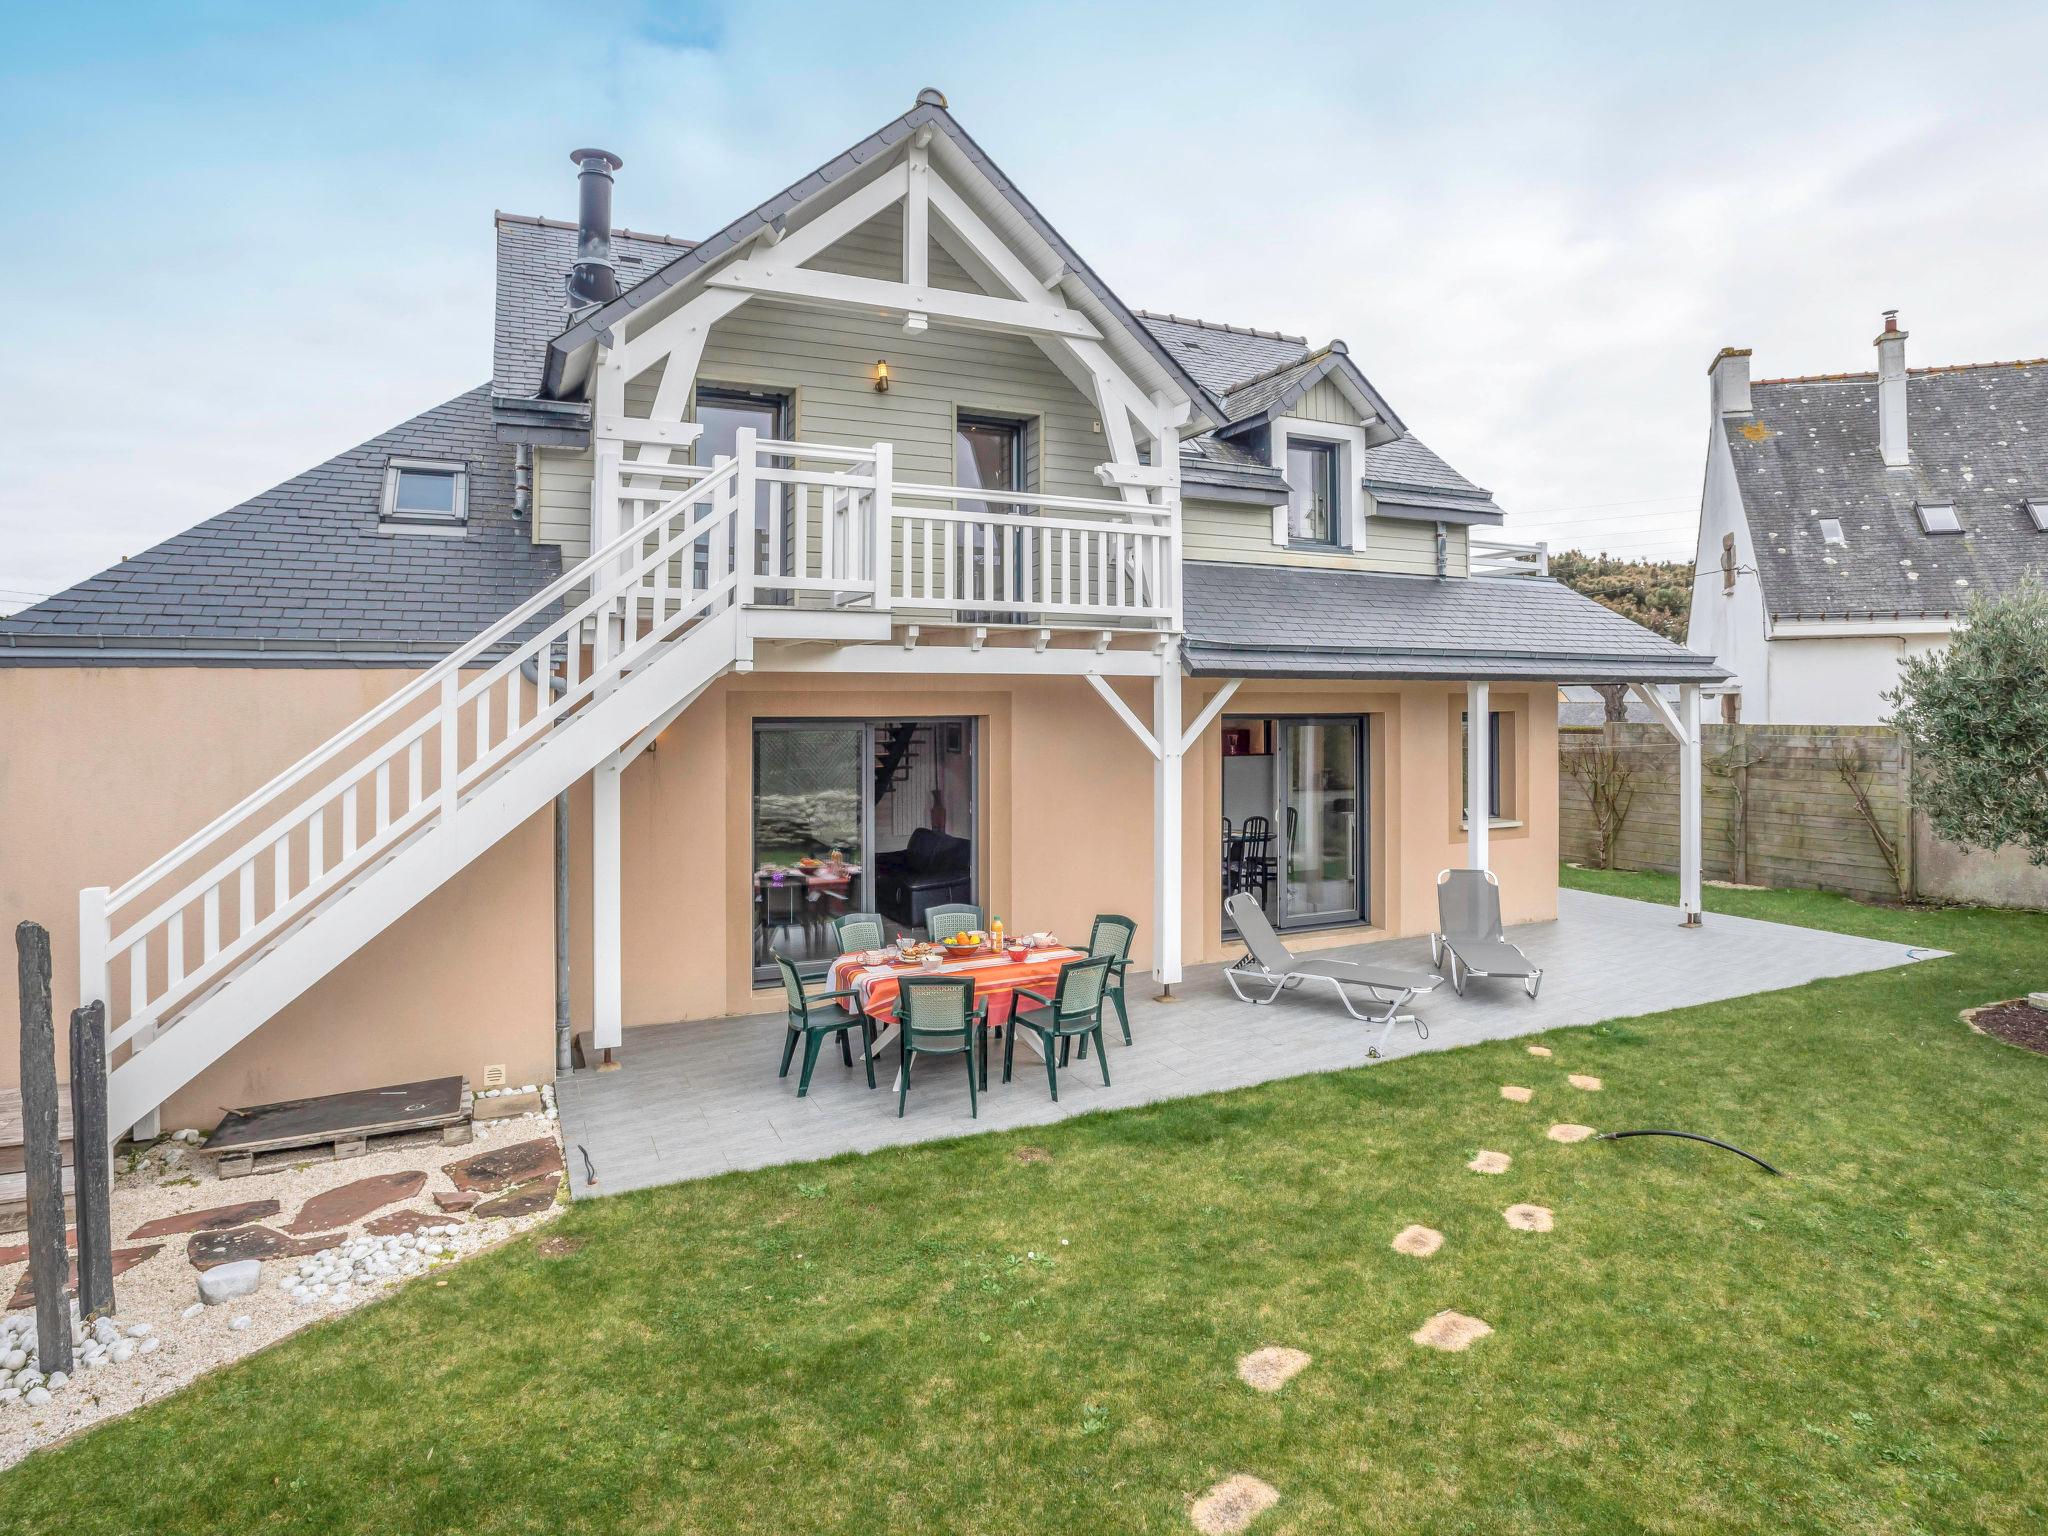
x: 1728, y: 381
x: 1891, y: 392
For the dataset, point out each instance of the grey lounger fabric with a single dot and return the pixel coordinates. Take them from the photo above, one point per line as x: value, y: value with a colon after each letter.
x: 1469, y: 932
x: 1267, y: 960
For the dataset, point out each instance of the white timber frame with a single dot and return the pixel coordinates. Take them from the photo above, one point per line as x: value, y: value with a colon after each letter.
x: 1021, y: 297
x: 1684, y: 725
x: 1478, y: 772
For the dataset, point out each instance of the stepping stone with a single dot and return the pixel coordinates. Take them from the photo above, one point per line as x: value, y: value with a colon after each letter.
x: 1516, y: 1095
x: 1581, y: 1080
x: 212, y: 1219
x: 208, y: 1249
x: 502, y: 1167
x: 351, y: 1202
x: 1570, y: 1133
x: 1271, y: 1368
x: 452, y: 1200
x: 1539, y: 1050
x: 124, y: 1259
x: 1232, y: 1505
x: 398, y: 1223
x: 1451, y: 1332
x: 1490, y: 1162
x: 523, y: 1199
x: 1528, y: 1218
x: 1418, y: 1242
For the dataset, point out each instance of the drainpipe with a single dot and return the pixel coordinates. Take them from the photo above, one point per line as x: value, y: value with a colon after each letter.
x: 1443, y: 551
x: 522, y: 480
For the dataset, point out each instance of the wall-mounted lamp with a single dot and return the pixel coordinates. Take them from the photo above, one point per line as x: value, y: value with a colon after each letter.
x: 881, y: 375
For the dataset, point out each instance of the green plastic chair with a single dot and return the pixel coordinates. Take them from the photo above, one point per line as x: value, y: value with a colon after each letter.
x: 858, y: 930
x: 1112, y: 936
x: 812, y: 1031
x: 936, y: 1016
x: 1073, y: 1012
x: 941, y: 923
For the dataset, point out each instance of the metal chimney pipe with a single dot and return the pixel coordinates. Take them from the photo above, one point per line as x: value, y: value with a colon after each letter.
x: 594, y: 280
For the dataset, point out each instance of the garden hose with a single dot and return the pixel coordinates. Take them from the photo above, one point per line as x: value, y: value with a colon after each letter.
x: 1693, y: 1136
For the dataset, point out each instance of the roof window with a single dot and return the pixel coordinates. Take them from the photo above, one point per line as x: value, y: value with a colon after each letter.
x: 1938, y: 517
x: 425, y: 496
x: 1831, y: 531
x: 2037, y: 509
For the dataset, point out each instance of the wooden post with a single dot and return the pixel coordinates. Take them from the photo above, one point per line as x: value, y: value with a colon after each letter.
x: 90, y: 1151
x: 48, y: 1265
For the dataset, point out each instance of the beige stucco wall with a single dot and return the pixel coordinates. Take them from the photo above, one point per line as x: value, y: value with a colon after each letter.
x: 102, y: 769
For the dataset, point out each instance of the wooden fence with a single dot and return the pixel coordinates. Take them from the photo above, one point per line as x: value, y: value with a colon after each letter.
x: 1826, y: 807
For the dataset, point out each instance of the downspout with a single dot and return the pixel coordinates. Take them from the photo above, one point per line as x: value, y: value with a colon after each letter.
x: 1443, y: 551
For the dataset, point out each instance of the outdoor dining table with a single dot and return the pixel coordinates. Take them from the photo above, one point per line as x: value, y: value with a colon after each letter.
x: 996, y: 980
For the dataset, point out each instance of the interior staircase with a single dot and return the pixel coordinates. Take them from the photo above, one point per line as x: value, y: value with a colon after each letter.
x: 204, y: 946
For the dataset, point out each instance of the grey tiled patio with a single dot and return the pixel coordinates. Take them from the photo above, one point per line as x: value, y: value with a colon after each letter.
x: 702, y: 1098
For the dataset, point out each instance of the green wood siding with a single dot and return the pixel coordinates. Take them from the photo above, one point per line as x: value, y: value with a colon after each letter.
x: 1325, y: 402
x: 1215, y: 530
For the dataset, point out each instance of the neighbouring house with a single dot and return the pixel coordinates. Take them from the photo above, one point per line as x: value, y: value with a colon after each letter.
x: 868, y: 554
x: 1846, y: 520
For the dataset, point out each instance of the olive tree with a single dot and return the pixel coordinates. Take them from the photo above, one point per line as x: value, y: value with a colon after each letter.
x: 1977, y: 717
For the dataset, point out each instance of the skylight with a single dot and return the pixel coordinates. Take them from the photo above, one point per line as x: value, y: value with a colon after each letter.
x: 1831, y: 530
x: 1938, y: 517
x: 2037, y: 509
x: 423, y: 495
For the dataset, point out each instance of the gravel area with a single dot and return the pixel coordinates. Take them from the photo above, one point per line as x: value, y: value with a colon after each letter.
x: 161, y: 1337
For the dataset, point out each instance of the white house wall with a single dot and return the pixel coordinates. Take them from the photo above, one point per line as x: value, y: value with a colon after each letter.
x: 1730, y: 626
x: 1837, y: 680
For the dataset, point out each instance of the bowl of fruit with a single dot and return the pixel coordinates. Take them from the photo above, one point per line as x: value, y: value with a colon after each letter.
x: 970, y: 941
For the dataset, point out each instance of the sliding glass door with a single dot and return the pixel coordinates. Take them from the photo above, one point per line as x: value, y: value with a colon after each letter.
x: 1294, y: 816
x: 857, y: 816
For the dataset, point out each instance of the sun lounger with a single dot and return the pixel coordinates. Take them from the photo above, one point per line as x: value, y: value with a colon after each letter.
x: 1267, y: 961
x: 1470, y: 933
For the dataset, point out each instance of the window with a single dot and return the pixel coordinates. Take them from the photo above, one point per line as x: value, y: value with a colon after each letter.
x: 424, y: 496
x: 1831, y: 531
x: 1313, y: 495
x: 1938, y: 517
x: 2037, y: 509
x: 1727, y: 562
x: 988, y: 454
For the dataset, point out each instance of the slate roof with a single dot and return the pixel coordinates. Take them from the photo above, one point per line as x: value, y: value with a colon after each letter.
x: 302, y: 571
x: 534, y: 258
x: 1223, y: 356
x: 1977, y: 436
x: 1291, y: 621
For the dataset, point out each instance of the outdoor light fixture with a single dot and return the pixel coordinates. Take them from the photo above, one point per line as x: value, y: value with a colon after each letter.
x: 881, y: 375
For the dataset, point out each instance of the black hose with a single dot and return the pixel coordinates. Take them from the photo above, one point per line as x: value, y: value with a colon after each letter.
x: 1691, y: 1136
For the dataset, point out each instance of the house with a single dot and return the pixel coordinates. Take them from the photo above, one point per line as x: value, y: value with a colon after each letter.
x: 1846, y: 520
x: 866, y: 554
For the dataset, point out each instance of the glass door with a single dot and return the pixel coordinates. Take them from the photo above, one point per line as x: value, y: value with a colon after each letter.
x: 1319, y: 820
x: 808, y: 824
x: 722, y: 413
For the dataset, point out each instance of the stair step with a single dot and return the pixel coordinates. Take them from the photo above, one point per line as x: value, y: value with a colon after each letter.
x: 13, y: 1154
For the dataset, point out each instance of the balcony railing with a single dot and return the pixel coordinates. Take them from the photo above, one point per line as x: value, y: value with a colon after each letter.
x: 1498, y: 557
x: 833, y: 527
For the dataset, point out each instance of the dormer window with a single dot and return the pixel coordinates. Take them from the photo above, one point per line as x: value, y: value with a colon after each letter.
x: 1831, y: 531
x: 1315, y: 497
x: 2037, y: 509
x: 425, y: 496
x: 1938, y: 517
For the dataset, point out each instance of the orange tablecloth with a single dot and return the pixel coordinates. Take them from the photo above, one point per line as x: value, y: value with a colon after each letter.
x: 996, y: 980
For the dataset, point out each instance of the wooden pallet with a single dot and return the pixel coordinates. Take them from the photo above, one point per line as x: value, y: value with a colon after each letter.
x: 340, y: 1124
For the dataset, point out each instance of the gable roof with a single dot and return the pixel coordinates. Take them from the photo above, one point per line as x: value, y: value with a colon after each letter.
x: 1276, y: 392
x: 302, y: 572
x: 930, y: 110
x: 1977, y: 438
x: 1299, y: 621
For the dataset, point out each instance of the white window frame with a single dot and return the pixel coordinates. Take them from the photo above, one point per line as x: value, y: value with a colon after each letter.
x: 1922, y: 509
x: 448, y: 525
x: 1351, y: 510
x: 2037, y: 509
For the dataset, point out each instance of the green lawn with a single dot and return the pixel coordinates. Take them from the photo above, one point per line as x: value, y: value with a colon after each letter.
x: 869, y: 1345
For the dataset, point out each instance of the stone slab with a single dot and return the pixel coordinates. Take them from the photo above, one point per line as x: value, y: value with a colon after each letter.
x: 523, y: 1199
x: 503, y: 1167
x: 207, y: 1249
x: 213, y: 1219
x: 124, y: 1259
x: 351, y: 1202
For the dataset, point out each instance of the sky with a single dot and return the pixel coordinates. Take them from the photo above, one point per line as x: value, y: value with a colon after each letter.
x: 243, y: 238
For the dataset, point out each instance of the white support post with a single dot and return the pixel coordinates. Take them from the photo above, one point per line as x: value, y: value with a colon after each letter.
x: 1689, y: 804
x: 1478, y: 773
x: 917, y: 229
x: 606, y: 948
x: 1166, y: 821
x: 747, y: 510
x: 883, y: 546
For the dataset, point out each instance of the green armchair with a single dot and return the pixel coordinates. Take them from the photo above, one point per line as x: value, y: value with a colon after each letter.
x: 812, y: 1028
x: 1073, y: 1012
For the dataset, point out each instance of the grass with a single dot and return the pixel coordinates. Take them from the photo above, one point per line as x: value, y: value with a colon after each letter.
x: 946, y: 1339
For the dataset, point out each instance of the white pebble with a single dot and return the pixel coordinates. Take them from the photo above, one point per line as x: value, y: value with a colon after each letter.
x: 15, y: 1359
x: 140, y: 1330
x: 149, y: 1346
x: 37, y: 1396
x: 240, y: 1323
x: 194, y: 1310
x: 57, y: 1379
x: 9, y: 1394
